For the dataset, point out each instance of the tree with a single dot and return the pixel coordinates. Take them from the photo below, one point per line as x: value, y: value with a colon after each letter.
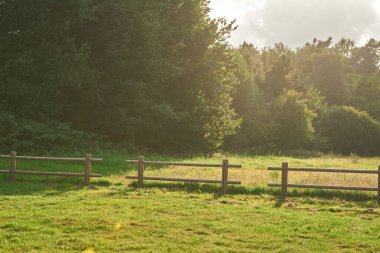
x: 316, y: 65
x: 293, y: 121
x: 366, y: 59
x: 272, y: 73
x: 365, y: 95
x: 156, y: 74
x: 248, y: 103
x: 42, y: 65
x: 166, y: 74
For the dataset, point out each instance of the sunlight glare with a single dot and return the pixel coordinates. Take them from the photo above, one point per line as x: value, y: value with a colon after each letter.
x: 376, y: 5
x: 89, y: 250
x: 118, y: 225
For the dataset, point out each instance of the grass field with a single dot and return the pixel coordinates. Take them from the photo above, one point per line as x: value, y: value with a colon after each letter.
x: 49, y: 214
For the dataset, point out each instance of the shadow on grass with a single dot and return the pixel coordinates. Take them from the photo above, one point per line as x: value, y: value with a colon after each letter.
x: 30, y: 185
x: 206, y: 188
x: 280, y: 201
x: 356, y: 196
x: 33, y: 185
x: 262, y: 190
x: 33, y: 188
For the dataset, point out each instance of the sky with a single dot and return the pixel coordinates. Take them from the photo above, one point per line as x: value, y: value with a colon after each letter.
x: 295, y: 22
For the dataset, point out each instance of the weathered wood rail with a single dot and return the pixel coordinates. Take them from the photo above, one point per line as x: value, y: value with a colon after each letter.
x: 284, y: 179
x: 86, y: 174
x: 224, y: 165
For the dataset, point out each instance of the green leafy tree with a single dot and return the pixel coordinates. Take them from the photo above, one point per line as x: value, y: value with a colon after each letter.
x: 156, y: 74
x: 42, y: 65
x: 293, y: 121
x: 246, y: 101
x: 316, y: 65
x: 366, y: 59
x: 365, y: 95
x: 275, y: 65
x: 166, y: 74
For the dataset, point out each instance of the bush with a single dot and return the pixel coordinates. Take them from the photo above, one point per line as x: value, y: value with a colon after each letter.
x: 29, y: 136
x: 349, y: 130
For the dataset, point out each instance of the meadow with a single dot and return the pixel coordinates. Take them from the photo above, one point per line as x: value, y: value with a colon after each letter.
x: 51, y: 214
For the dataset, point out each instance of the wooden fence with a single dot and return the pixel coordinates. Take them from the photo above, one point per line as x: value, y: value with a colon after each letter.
x: 224, y: 165
x: 86, y: 174
x: 284, y: 179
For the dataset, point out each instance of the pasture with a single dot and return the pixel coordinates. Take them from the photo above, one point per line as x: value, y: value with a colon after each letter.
x: 51, y: 214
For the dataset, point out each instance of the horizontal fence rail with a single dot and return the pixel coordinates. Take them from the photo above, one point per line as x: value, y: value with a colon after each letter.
x: 184, y: 164
x: 47, y: 173
x: 58, y: 159
x: 224, y: 165
x: 284, y: 179
x: 86, y: 174
x: 327, y: 170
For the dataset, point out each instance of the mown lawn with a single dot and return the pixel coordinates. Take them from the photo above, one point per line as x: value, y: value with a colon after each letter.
x: 48, y: 214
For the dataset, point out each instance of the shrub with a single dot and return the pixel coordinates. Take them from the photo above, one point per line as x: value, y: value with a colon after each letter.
x: 349, y: 130
x: 29, y: 136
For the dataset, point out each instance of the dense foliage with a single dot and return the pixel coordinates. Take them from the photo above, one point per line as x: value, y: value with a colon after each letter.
x: 25, y: 135
x: 161, y: 75
x: 309, y: 98
x: 349, y: 130
x: 157, y: 74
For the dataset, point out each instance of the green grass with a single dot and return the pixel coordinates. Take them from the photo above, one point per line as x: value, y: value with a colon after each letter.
x: 49, y: 214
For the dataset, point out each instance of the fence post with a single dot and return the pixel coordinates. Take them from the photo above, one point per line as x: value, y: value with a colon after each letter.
x: 284, y: 180
x: 12, y: 169
x: 378, y: 185
x: 224, y: 176
x: 87, y: 171
x: 141, y: 172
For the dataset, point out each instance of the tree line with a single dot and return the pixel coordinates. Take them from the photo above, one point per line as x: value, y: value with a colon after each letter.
x: 321, y: 96
x: 162, y: 76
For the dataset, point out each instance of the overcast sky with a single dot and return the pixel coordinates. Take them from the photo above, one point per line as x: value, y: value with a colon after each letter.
x: 294, y: 22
